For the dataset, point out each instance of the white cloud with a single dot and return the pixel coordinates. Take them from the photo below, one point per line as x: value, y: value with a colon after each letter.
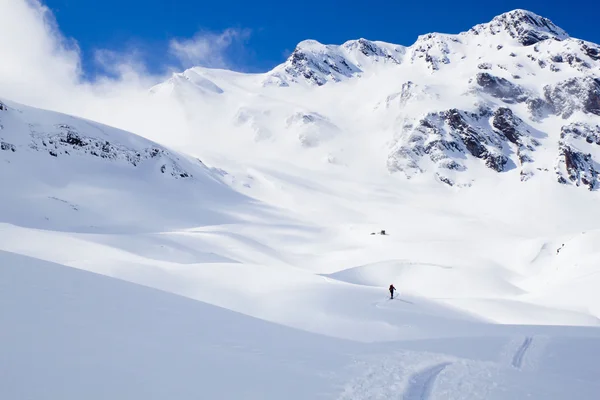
x: 207, y: 49
x: 34, y: 53
x: 42, y: 68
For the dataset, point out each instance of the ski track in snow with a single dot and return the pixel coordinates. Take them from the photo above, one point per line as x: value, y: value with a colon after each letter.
x: 517, y: 360
x: 421, y: 384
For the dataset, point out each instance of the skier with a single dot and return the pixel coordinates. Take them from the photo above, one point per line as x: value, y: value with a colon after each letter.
x: 392, y: 289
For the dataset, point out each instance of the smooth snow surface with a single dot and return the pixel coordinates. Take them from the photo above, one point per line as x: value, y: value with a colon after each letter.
x: 240, y: 259
x: 72, y: 334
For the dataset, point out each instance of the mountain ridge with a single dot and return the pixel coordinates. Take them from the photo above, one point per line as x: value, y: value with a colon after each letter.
x: 503, y: 93
x: 525, y: 27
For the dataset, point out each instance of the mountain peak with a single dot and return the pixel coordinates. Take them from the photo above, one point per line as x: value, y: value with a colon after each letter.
x: 376, y: 49
x: 315, y: 63
x: 526, y: 27
x: 310, y: 45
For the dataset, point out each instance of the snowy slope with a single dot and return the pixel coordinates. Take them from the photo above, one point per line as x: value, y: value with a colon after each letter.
x: 295, y: 261
x: 65, y: 173
x: 477, y: 153
x: 71, y: 334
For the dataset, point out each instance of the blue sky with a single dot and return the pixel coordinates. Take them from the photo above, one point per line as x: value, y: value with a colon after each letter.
x: 262, y: 33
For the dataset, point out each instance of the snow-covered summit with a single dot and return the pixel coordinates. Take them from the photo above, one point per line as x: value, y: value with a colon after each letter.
x: 316, y: 64
x: 192, y: 81
x: 526, y: 27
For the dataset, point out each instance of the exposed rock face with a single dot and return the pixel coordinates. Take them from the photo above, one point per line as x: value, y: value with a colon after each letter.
x: 567, y: 55
x: 316, y: 69
x: 575, y: 163
x: 317, y: 64
x: 591, y: 50
x: 61, y: 140
x: 591, y: 134
x: 372, y: 50
x: 516, y: 131
x: 524, y: 26
x: 500, y: 88
x: 302, y: 64
x: 433, y: 49
x: 68, y: 142
x: 476, y: 142
x: 506, y: 122
x: 5, y: 146
x: 538, y: 108
x: 574, y: 94
x: 429, y: 137
x: 443, y: 137
x: 580, y: 167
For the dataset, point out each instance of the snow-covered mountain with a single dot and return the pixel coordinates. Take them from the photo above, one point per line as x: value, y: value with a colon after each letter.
x: 515, y: 94
x: 36, y: 131
x: 314, y: 63
x: 58, y: 170
x: 260, y: 271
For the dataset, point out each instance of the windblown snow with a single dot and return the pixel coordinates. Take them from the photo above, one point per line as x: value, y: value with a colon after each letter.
x: 242, y: 258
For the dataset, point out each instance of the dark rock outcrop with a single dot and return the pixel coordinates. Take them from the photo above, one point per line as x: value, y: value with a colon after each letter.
x: 433, y: 49
x: 574, y: 94
x: 524, y: 26
x: 302, y: 63
x: 5, y: 146
x: 516, y: 132
x: 69, y: 142
x: 591, y: 50
x: 506, y: 122
x: 445, y: 138
x: 591, y: 134
x: 500, y: 88
x: 319, y: 64
x: 575, y: 164
x: 371, y: 50
x: 538, y: 108
x: 474, y: 141
x: 580, y: 167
